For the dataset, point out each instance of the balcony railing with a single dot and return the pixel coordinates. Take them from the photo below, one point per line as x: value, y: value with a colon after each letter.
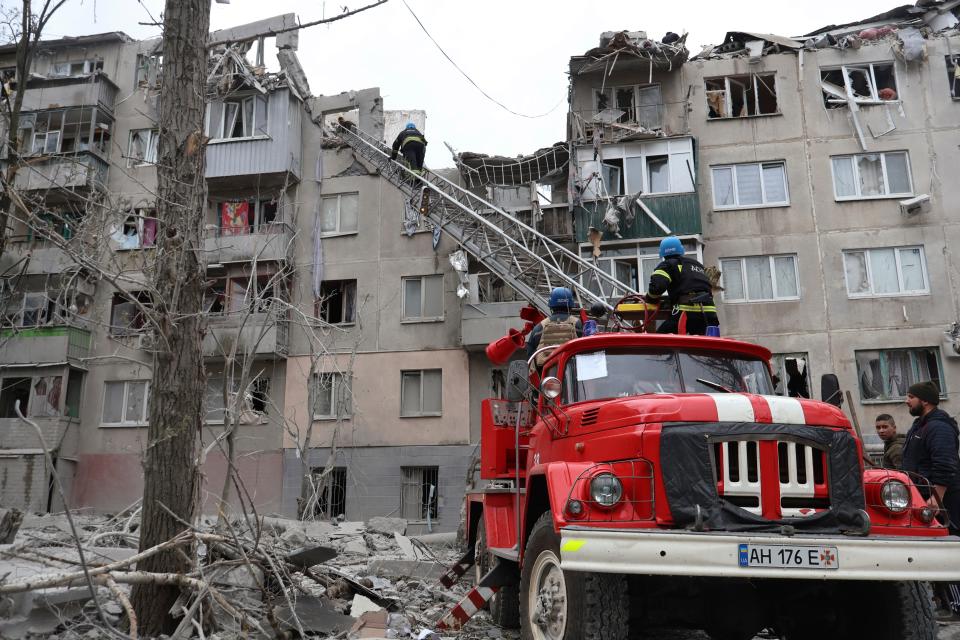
x: 253, y: 334
x: 61, y: 343
x: 680, y: 212
x: 240, y: 244
x: 62, y: 172
x: 95, y: 90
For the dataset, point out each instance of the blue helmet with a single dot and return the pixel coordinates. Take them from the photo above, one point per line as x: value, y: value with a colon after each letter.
x: 561, y: 299
x: 671, y: 246
x: 410, y: 125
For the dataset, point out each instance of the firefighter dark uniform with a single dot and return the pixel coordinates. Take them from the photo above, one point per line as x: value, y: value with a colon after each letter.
x: 411, y: 143
x: 691, y: 302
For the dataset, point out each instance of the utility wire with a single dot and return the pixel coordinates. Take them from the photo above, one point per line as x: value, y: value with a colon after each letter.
x: 464, y: 73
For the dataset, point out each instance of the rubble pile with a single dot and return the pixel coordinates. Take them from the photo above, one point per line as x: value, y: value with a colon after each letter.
x: 268, y: 577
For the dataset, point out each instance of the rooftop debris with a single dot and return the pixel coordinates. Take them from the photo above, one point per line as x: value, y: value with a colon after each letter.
x: 545, y: 165
x: 256, y: 577
x: 637, y: 51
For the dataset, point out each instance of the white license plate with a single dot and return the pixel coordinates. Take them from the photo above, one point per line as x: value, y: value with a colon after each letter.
x: 778, y: 556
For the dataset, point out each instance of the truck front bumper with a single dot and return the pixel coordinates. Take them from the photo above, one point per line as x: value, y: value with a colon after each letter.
x: 716, y: 555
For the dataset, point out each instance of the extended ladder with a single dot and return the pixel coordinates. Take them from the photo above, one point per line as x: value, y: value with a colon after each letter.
x: 515, y: 252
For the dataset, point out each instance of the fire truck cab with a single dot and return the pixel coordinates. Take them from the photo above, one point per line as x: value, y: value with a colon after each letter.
x: 644, y: 480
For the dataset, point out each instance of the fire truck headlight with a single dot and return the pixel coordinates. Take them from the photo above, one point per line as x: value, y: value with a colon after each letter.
x: 606, y: 489
x: 550, y: 387
x: 895, y: 496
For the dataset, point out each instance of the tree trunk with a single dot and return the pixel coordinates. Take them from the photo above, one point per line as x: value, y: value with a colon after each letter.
x: 170, y: 494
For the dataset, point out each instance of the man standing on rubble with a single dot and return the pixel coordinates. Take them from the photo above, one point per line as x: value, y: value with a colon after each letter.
x: 687, y: 286
x: 931, y: 451
x: 413, y: 145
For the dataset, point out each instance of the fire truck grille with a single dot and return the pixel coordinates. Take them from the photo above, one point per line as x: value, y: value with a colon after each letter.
x: 797, y: 489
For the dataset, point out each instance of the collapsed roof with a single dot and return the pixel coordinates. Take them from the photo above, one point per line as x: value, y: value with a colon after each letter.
x: 632, y: 49
x: 546, y: 165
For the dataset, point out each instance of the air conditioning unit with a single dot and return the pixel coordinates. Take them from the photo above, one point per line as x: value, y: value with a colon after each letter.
x: 917, y: 204
x: 950, y: 346
x: 145, y: 341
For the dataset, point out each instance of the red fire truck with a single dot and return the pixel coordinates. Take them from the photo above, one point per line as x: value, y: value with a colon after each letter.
x: 642, y: 480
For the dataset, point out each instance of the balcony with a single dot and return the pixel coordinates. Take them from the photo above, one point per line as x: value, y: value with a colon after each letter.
x: 95, y: 90
x: 254, y: 334
x: 27, y: 345
x: 62, y: 172
x: 680, y: 212
x: 484, y: 322
x: 269, y: 157
x: 268, y: 242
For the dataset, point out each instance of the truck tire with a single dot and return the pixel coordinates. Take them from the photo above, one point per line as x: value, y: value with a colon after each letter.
x: 504, y: 606
x: 567, y: 605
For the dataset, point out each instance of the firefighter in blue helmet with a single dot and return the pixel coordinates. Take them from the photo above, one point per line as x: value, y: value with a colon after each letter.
x: 413, y: 145
x: 562, y: 325
x: 690, y: 297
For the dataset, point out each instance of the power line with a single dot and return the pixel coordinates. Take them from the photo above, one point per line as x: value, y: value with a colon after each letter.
x: 464, y: 73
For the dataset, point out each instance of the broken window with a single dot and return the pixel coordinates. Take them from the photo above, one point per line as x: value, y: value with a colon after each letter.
x: 258, y: 395
x: 752, y: 94
x: 749, y: 185
x: 421, y: 393
x: 125, y: 402
x: 139, y: 230
x: 45, y: 396
x: 332, y: 492
x: 610, y: 173
x: 865, y: 84
x: 11, y: 391
x: 791, y: 373
x: 240, y: 217
x: 419, y: 493
x: 73, y: 69
x: 339, y: 213
x: 142, y: 148
x: 953, y: 75
x: 885, y: 271
x: 640, y: 105
x: 337, y: 302
x: 126, y: 316
x: 871, y: 175
x: 37, y: 309
x: 423, y: 298
x: 255, y: 294
x: 241, y: 118
x: 215, y: 297
x: 885, y: 375
x: 74, y: 393
x: 632, y: 265
x: 760, y: 278
x: 334, y: 398
x: 149, y: 70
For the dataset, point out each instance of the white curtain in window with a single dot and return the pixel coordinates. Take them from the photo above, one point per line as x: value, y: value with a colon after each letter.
x: 899, y: 373
x: 870, y: 169
x: 868, y: 369
x: 723, y: 187
x: 843, y: 180
x: 328, y: 215
x: 732, y: 277
x: 911, y: 269
x: 785, y: 271
x: 748, y: 184
x: 926, y: 363
x: 136, y: 401
x: 883, y: 269
x: 855, y: 265
x: 759, y: 278
x: 214, y: 400
x: 774, y: 183
x: 897, y: 172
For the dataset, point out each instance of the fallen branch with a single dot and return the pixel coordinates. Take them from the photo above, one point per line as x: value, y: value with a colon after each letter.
x: 125, y: 603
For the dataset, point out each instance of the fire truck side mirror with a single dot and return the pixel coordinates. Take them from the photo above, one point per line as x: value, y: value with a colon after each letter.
x: 517, y: 381
x: 830, y: 389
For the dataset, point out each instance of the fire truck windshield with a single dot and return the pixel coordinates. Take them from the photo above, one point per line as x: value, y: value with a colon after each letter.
x: 621, y: 373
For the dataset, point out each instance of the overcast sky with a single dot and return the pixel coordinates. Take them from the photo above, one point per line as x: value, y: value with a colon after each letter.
x: 516, y: 50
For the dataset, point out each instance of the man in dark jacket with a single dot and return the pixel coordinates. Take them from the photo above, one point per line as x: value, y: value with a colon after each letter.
x: 931, y: 451
x: 688, y: 288
x: 413, y: 145
x: 892, y: 441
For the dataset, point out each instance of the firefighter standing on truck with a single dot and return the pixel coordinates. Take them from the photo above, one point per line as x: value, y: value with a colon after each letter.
x: 687, y: 286
x: 562, y: 325
x: 412, y: 145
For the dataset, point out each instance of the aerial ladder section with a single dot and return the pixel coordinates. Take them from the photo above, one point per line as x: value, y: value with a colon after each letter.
x: 515, y: 252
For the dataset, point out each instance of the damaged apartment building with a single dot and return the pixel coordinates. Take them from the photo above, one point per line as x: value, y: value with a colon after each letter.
x: 332, y: 346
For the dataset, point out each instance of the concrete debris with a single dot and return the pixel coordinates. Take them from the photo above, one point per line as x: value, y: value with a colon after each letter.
x: 10, y: 521
x: 307, y: 578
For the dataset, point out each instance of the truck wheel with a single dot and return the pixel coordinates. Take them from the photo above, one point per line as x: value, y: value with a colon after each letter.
x: 567, y: 605
x: 900, y: 611
x: 504, y: 606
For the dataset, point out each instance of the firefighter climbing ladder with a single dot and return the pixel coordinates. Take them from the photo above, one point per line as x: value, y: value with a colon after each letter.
x: 518, y: 254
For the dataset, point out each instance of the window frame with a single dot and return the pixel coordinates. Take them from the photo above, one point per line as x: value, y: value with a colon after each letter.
x: 856, y: 176
x: 883, y: 355
x: 871, y: 76
x: 404, y: 318
x: 404, y: 373
x: 344, y: 287
x: 634, y: 117
x: 218, y: 129
x: 340, y: 392
x: 123, y: 408
x: 727, y: 101
x: 763, y: 187
x: 255, y: 214
x: 781, y: 370
x: 408, y: 474
x: 339, y: 231
x: 151, y: 151
x: 745, y: 282
x: 953, y: 79
x: 869, y: 269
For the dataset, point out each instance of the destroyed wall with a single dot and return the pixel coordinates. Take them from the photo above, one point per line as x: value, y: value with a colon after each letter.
x: 825, y: 320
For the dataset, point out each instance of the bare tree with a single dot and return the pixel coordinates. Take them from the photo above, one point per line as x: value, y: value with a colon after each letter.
x: 26, y: 34
x: 176, y: 413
